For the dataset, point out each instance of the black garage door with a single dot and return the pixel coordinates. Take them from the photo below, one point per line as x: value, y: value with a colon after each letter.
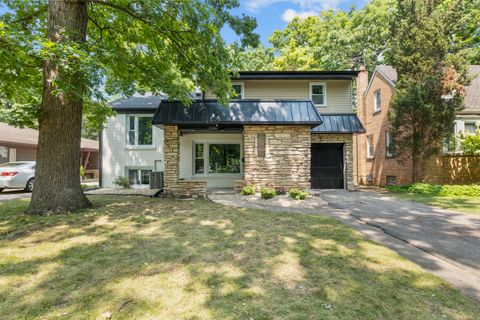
x: 327, y: 166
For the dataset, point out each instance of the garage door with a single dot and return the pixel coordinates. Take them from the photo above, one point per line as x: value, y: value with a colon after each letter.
x: 327, y: 166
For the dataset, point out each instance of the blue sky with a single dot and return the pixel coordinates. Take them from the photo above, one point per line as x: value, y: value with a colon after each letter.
x: 275, y: 14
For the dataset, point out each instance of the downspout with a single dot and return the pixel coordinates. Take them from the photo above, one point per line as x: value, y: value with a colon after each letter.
x: 100, y: 157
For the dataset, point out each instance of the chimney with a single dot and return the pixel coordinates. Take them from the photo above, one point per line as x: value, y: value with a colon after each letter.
x: 362, y: 84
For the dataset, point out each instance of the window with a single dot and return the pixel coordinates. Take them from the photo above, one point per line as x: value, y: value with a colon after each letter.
x: 377, y: 101
x: 261, y: 145
x: 318, y: 93
x: 199, y: 158
x: 218, y: 158
x: 388, y: 144
x: 391, y: 180
x: 238, y: 89
x: 370, y: 149
x: 139, y: 176
x: 3, y: 154
x: 139, y: 131
x: 470, y: 128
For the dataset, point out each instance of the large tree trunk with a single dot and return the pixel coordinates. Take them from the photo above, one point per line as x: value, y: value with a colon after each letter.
x: 57, y: 177
x: 417, y: 169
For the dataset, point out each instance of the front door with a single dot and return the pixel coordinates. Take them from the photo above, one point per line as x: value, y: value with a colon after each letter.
x: 327, y: 166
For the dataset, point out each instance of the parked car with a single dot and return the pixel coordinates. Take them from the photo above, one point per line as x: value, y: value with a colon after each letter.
x: 17, y: 175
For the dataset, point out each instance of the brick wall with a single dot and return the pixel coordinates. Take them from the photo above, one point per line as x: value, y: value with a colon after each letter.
x: 286, y: 162
x: 347, y: 140
x: 173, y: 186
x: 452, y: 169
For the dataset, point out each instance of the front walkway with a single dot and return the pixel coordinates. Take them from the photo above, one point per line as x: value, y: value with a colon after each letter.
x: 444, y: 242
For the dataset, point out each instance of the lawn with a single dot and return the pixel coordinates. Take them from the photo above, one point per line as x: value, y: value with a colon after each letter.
x: 142, y: 258
x: 463, y: 198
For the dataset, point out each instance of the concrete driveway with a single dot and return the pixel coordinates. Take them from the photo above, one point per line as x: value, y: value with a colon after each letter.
x: 14, y: 194
x: 444, y: 242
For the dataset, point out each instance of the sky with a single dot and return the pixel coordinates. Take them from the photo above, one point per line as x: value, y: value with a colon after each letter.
x: 275, y: 14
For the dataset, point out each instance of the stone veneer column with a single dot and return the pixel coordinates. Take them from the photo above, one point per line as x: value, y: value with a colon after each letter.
x: 286, y: 163
x: 171, y: 147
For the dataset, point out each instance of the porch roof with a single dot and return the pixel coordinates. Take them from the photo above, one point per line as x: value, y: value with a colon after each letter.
x: 339, y: 123
x: 238, y: 112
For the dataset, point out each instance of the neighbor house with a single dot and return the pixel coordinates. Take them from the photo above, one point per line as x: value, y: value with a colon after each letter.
x: 282, y: 129
x: 20, y: 144
x: 378, y: 164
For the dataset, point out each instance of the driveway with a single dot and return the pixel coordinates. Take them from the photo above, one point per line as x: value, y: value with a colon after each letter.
x: 445, y: 242
x: 14, y: 194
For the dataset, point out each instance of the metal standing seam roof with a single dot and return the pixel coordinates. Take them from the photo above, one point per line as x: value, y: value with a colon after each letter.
x: 137, y: 103
x: 339, y: 123
x: 210, y: 112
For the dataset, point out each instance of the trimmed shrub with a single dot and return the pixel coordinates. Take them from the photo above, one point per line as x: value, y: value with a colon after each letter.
x: 248, y: 190
x: 268, y: 193
x: 438, y: 190
x: 122, y: 182
x: 298, y: 194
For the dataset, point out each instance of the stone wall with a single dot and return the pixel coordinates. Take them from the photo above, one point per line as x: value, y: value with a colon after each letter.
x: 286, y: 163
x: 452, y: 169
x: 346, y: 139
x: 173, y: 186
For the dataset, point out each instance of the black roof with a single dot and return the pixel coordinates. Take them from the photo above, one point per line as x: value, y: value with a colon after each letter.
x: 339, y: 123
x: 238, y: 112
x: 298, y: 75
x: 137, y: 103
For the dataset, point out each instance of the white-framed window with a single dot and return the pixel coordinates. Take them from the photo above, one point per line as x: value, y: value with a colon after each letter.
x: 3, y: 154
x: 139, y: 177
x: 377, y: 101
x: 217, y: 158
x: 388, y: 144
x: 239, y: 89
x: 470, y: 128
x: 318, y: 93
x: 139, y: 130
x: 370, y: 147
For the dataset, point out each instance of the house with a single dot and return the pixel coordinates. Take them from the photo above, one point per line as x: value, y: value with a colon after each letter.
x: 378, y: 164
x: 20, y: 144
x: 283, y: 129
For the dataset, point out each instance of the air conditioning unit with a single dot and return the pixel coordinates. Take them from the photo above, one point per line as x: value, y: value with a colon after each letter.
x: 156, y: 180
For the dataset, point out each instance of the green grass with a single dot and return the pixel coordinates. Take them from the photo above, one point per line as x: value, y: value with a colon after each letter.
x: 142, y: 258
x: 463, y: 198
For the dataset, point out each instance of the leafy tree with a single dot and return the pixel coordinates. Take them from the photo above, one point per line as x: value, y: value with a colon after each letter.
x: 59, y: 58
x: 430, y: 59
x: 254, y: 59
x: 470, y: 144
x: 335, y: 40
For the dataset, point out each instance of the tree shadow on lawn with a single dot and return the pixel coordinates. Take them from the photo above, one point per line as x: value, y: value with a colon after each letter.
x: 170, y: 259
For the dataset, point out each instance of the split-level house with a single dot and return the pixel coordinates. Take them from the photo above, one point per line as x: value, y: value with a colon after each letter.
x: 282, y: 129
x: 378, y: 163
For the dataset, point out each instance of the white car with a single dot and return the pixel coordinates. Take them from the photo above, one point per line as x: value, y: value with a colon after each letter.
x: 17, y: 175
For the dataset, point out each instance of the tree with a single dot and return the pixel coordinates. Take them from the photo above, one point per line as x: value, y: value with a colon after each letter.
x: 335, y: 40
x: 470, y: 144
x: 61, y: 58
x: 254, y: 59
x: 430, y: 58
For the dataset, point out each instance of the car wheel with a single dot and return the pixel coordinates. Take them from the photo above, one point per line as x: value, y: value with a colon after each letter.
x: 29, y: 186
x: 1, y: 189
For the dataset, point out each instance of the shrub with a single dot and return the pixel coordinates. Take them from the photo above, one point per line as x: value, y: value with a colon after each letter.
x: 268, y: 193
x: 298, y: 194
x: 122, y: 182
x: 438, y: 190
x: 248, y: 190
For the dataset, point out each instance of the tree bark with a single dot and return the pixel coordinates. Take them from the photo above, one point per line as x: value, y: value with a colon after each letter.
x: 57, y: 177
x: 417, y: 169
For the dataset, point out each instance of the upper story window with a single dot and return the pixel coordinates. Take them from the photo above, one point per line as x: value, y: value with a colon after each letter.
x: 318, y: 93
x: 238, y: 88
x: 140, y: 132
x: 388, y: 144
x: 370, y: 148
x: 377, y: 101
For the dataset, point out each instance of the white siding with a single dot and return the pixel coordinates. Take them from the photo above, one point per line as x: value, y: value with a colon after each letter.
x: 117, y: 157
x: 339, y: 92
x: 186, y: 158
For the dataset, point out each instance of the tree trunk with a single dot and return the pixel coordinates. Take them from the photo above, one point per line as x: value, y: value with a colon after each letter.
x: 417, y: 169
x: 57, y: 177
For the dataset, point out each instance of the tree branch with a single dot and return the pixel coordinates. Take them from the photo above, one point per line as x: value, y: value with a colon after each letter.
x: 31, y: 15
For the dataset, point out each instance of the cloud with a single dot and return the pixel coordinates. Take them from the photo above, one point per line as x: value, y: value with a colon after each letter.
x: 290, y: 14
x: 305, y: 5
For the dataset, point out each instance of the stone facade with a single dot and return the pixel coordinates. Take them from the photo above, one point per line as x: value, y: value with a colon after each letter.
x: 173, y: 186
x: 286, y: 160
x: 347, y: 141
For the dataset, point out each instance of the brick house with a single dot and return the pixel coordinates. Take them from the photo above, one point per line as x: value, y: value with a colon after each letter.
x: 376, y: 163
x: 283, y: 129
